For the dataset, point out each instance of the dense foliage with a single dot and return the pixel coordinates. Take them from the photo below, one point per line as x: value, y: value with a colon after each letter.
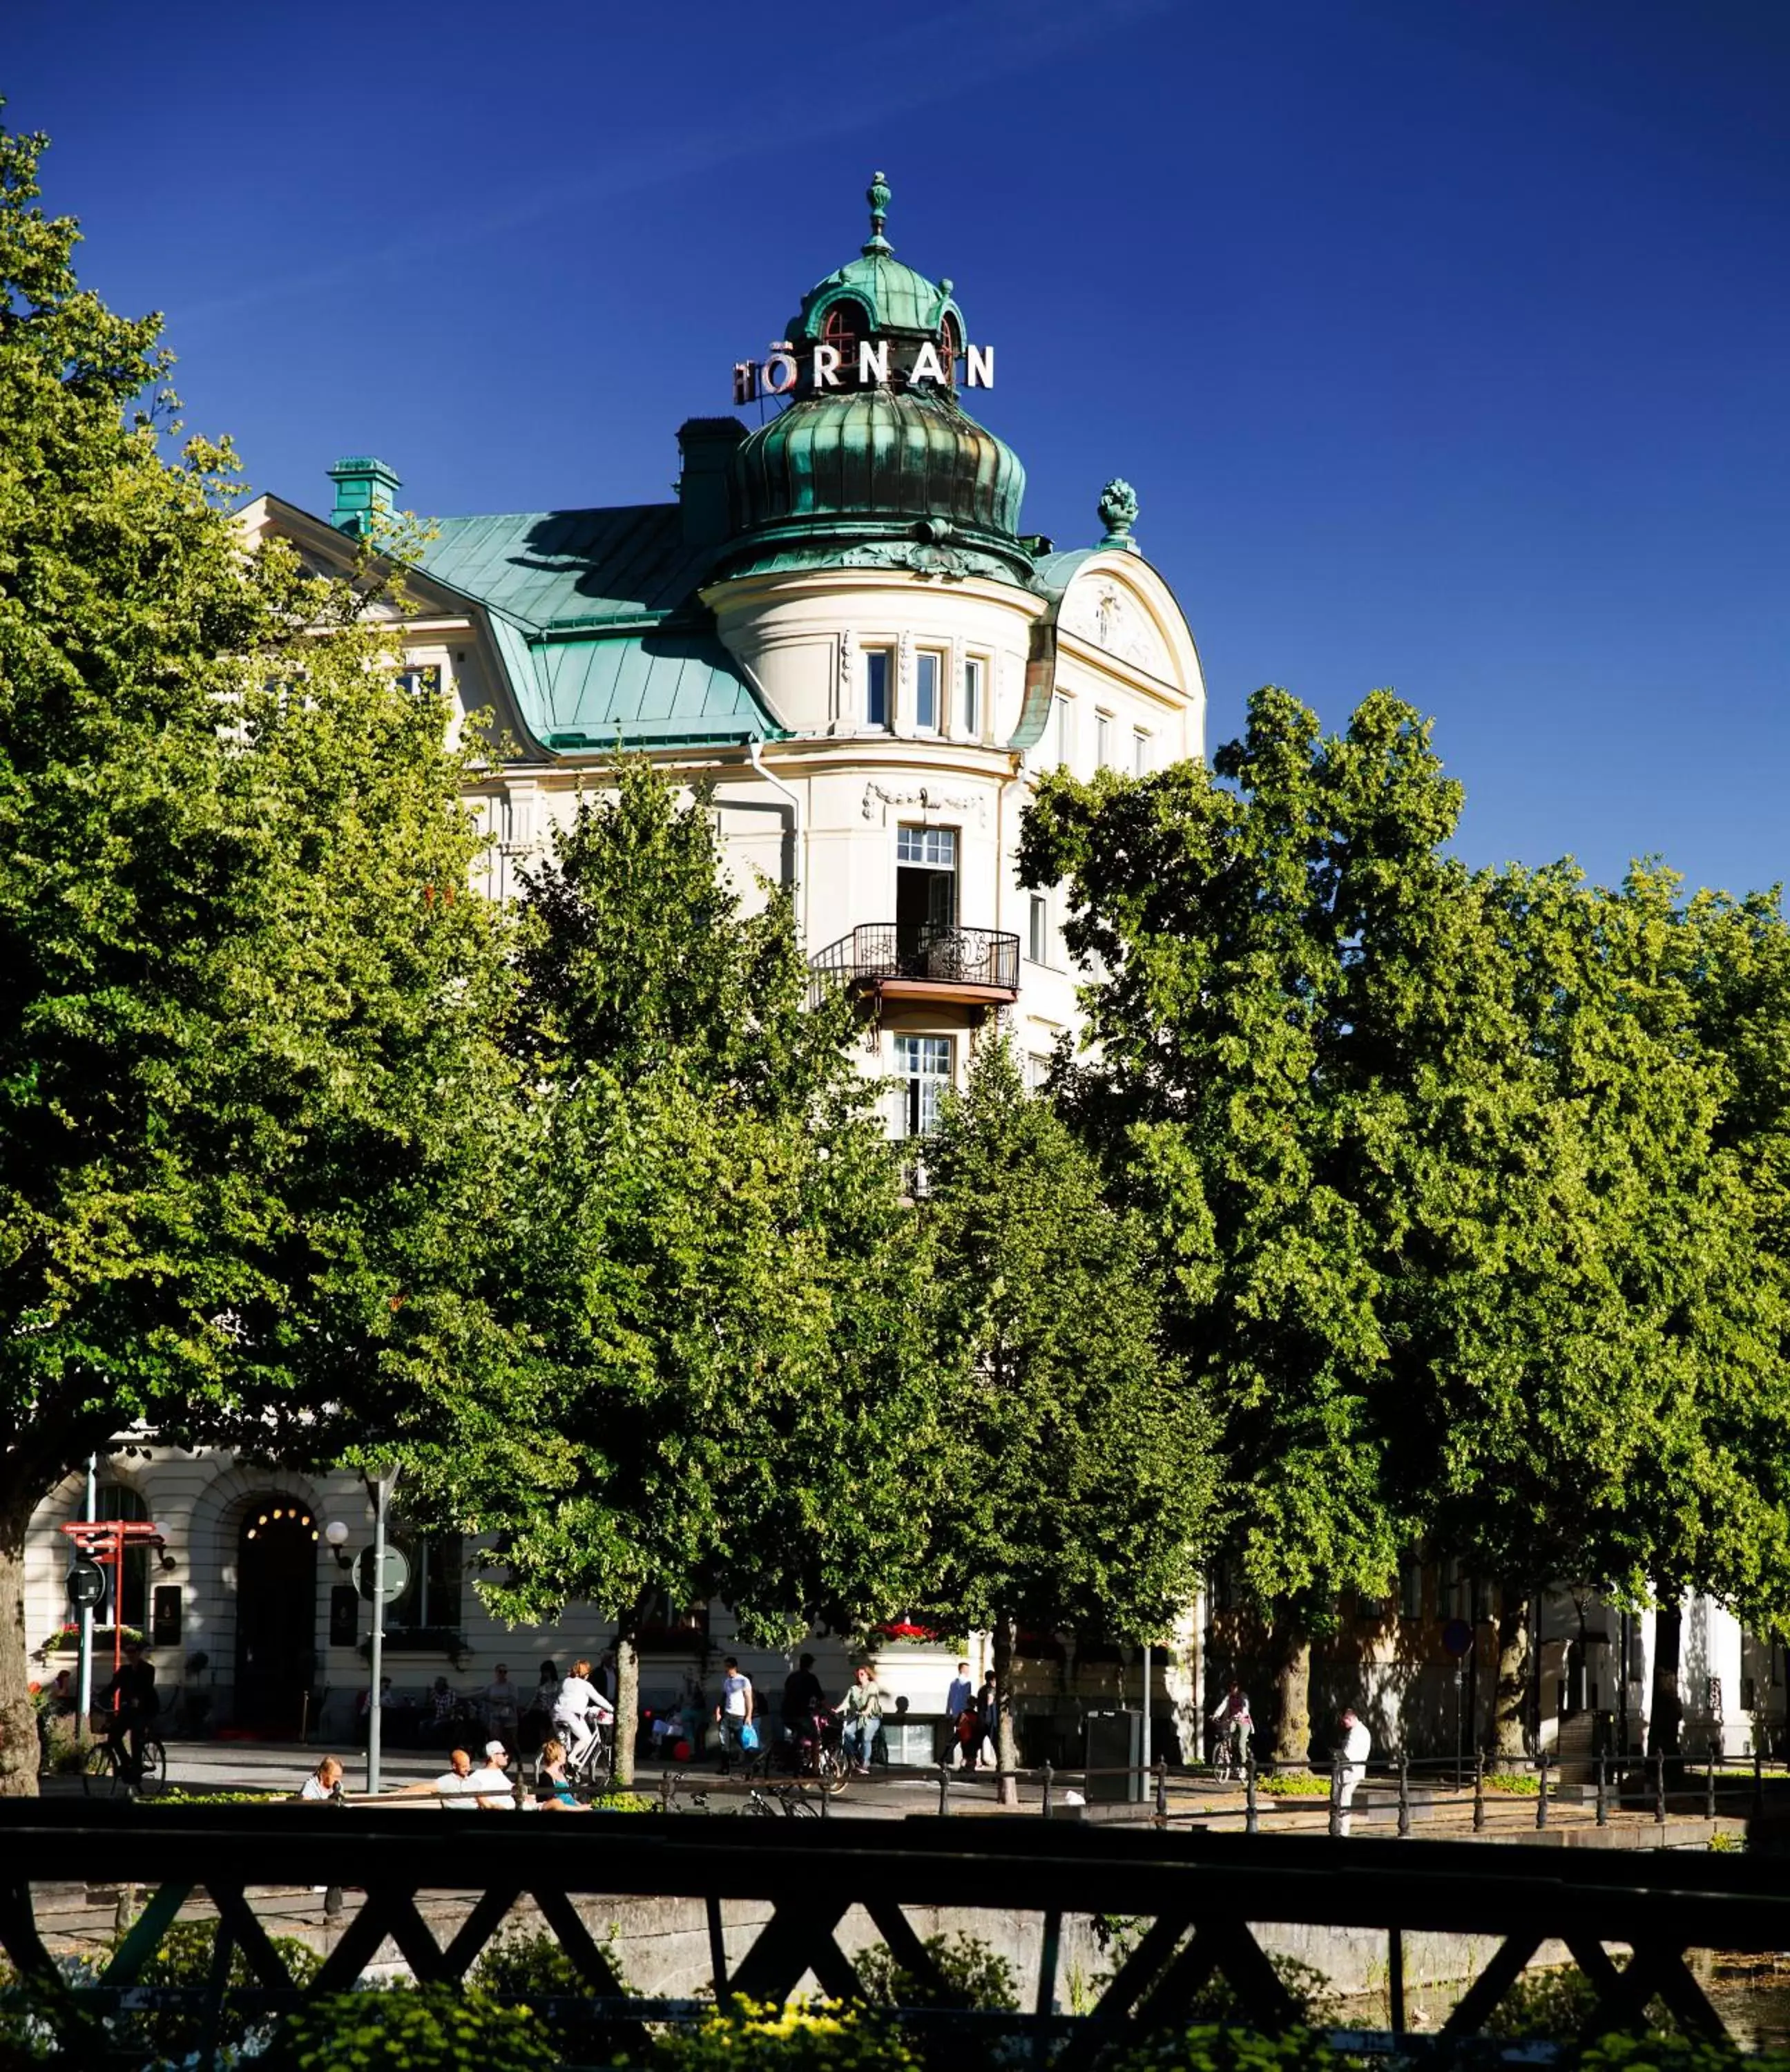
x: 1078, y: 1454
x: 1472, y: 1182
x: 709, y: 1271
x: 246, y: 1056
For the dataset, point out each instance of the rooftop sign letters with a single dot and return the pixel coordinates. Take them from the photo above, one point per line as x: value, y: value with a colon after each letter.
x: 781, y: 369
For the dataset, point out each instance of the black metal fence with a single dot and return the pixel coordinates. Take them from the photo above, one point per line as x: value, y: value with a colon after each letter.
x: 879, y: 950
x: 1628, y: 1919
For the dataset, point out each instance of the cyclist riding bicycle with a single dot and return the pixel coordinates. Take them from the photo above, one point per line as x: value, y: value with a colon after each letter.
x: 131, y: 1704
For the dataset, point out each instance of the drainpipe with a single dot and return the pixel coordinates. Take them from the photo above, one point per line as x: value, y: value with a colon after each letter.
x: 799, y: 890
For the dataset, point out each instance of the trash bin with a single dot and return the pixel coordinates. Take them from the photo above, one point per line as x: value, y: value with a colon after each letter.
x: 1113, y: 1740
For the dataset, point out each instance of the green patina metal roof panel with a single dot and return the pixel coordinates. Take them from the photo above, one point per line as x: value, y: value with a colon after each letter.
x: 597, y: 623
x: 639, y: 687
x: 548, y: 568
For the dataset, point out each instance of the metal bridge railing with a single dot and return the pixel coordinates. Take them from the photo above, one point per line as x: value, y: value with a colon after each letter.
x: 1198, y: 1891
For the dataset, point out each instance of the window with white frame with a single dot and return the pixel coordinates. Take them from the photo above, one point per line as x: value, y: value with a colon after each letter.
x: 1061, y: 727
x: 929, y: 671
x: 1102, y: 740
x: 923, y: 1065
x: 1037, y: 1070
x: 1037, y: 933
x: 1140, y: 754
x: 973, y: 675
x: 878, y: 668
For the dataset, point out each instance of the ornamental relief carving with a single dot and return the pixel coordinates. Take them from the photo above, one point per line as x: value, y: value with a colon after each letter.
x: 927, y: 798
x: 1100, y: 611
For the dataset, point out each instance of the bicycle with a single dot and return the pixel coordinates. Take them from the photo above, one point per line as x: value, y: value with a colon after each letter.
x: 592, y: 1768
x: 791, y: 1800
x: 106, y: 1773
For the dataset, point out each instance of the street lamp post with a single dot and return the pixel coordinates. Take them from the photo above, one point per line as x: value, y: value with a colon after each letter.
x: 380, y: 1482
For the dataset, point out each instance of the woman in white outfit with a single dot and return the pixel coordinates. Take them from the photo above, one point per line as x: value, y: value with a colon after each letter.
x: 578, y: 1698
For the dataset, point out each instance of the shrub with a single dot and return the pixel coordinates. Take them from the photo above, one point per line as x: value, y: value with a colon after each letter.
x: 974, y: 1975
x: 1208, y: 2049
x: 812, y: 2037
x: 1293, y: 1784
x: 423, y: 2028
x: 1656, y: 2052
x: 1118, y: 1934
x: 529, y: 1965
x: 1525, y: 1783
x: 623, y: 1802
x: 184, y: 1959
x: 1543, y: 2005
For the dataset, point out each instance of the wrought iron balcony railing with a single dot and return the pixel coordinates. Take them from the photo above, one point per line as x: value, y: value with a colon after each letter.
x: 946, y: 962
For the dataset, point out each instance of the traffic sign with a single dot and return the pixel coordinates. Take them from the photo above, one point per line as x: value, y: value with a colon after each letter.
x: 86, y: 1583
x: 1457, y: 1637
x: 397, y: 1580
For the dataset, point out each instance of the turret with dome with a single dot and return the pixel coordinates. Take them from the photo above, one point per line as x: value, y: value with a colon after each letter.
x: 873, y: 462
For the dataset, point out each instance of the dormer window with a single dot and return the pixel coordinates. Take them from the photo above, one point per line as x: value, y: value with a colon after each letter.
x: 846, y: 325
x: 950, y: 347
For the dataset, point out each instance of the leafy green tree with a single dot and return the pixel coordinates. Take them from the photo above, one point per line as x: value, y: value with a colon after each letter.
x: 244, y: 1064
x: 1474, y: 1219
x: 1266, y: 930
x: 710, y: 1263
x: 1078, y: 1489
x: 1596, y: 1314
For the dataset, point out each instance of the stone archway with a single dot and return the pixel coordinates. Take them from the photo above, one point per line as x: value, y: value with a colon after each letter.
x: 276, y: 1651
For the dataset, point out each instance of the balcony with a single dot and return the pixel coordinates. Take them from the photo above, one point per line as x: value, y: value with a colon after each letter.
x: 980, y: 967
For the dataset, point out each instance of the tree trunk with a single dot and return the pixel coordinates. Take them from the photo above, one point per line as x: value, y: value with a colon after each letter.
x: 1293, y: 1691
x: 1007, y: 1753
x: 1510, y: 1717
x: 17, y: 1716
x: 627, y: 1692
x: 1666, y: 1715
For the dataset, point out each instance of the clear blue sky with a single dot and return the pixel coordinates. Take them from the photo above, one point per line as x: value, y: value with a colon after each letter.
x: 1444, y: 340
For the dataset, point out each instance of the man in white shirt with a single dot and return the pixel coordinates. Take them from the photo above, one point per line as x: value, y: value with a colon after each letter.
x: 490, y: 1786
x: 1358, y: 1745
x: 453, y: 1786
x: 733, y: 1714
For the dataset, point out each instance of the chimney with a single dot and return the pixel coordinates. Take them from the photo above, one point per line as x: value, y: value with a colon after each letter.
x: 363, y: 486
x: 706, y: 445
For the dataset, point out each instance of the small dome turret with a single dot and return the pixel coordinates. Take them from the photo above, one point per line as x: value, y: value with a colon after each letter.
x: 874, y: 461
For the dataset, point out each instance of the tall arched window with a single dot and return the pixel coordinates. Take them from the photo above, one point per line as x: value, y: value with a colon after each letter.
x: 115, y: 1500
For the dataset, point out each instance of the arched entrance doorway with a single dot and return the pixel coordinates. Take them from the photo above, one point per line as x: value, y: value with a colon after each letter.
x: 276, y: 1614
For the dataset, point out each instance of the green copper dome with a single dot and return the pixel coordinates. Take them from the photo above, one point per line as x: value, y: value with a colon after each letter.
x: 879, y: 477
x: 864, y: 471
x: 894, y: 297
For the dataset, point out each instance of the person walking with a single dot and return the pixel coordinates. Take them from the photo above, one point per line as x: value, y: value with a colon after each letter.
x: 862, y: 1708
x: 987, y: 1720
x: 1358, y: 1745
x: 958, y: 1700
x: 733, y: 1714
x: 1231, y: 1743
